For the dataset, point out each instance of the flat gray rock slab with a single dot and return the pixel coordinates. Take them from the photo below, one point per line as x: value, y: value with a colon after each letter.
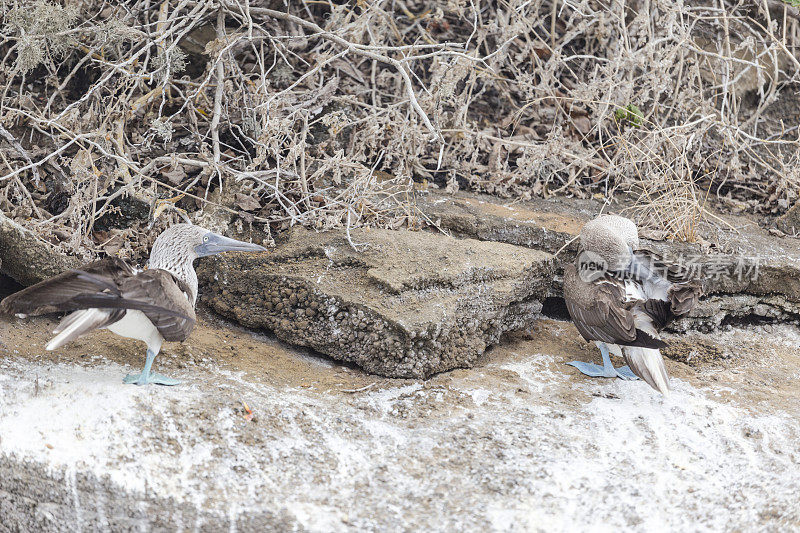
x: 541, y: 224
x: 407, y: 304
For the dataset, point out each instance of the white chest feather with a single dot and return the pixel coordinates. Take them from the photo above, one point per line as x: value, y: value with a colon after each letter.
x: 640, y: 292
x: 657, y: 288
x: 634, y: 291
x: 135, y: 325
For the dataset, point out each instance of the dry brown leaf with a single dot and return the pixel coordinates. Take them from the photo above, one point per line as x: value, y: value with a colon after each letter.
x: 175, y: 175
x: 246, y: 202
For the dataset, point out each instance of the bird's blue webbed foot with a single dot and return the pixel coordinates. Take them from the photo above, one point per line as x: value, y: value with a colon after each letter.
x: 597, y: 371
x: 605, y: 371
x: 590, y: 369
x: 153, y: 377
x: 146, y: 377
x: 626, y: 373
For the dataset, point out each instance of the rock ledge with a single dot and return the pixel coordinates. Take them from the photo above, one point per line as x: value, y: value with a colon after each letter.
x: 408, y: 304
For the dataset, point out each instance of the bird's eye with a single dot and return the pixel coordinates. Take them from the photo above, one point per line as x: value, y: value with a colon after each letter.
x: 205, y: 239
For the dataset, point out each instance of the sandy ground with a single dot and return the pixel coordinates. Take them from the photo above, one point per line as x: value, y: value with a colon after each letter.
x: 521, y: 442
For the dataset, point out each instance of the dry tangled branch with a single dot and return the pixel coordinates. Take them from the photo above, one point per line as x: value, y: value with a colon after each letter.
x: 245, y: 114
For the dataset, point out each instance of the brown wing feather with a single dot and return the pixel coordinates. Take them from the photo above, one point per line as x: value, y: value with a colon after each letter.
x: 113, y: 285
x: 684, y: 294
x: 55, y: 294
x: 683, y: 298
x: 672, y: 272
x: 659, y: 312
x: 172, y: 313
x: 603, y: 322
x: 598, y: 308
x: 601, y: 311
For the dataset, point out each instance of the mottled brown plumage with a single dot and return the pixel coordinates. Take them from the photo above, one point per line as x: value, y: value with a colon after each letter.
x: 110, y: 284
x: 601, y: 311
x: 621, y: 297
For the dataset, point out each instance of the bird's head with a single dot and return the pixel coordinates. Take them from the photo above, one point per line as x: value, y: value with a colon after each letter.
x: 608, y: 242
x: 189, y: 242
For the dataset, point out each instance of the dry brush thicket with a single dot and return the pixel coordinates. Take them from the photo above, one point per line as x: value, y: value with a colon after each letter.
x: 271, y: 113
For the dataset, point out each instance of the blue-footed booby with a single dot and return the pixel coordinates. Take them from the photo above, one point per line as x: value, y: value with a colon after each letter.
x: 152, y: 305
x: 621, y: 297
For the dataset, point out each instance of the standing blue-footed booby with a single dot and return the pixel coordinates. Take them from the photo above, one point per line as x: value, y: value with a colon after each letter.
x: 620, y: 297
x: 153, y: 305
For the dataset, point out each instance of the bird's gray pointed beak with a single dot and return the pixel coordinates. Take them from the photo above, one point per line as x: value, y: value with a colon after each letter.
x: 216, y: 244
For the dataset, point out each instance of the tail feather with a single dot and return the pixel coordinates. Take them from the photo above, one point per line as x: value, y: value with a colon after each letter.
x: 76, y: 324
x: 68, y: 320
x: 648, y: 364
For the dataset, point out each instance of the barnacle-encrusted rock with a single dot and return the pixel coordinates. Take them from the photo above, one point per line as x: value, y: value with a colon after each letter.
x: 408, y: 304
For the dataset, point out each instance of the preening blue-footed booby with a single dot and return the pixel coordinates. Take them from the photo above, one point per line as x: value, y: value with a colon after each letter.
x: 621, y: 297
x: 152, y: 305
